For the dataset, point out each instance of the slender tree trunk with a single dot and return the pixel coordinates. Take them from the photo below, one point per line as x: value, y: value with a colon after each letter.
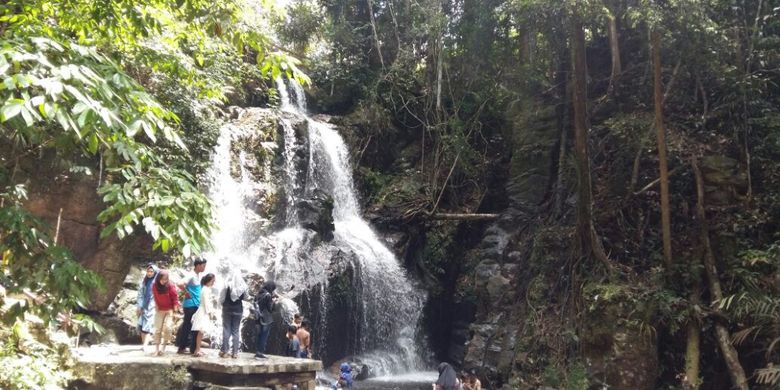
x: 590, y: 243
x: 730, y: 355
x: 614, y: 49
x: 692, y: 355
x: 525, y: 46
x: 666, y: 228
x: 563, y: 111
x: 373, y: 30
x: 693, y: 328
x: 581, y: 133
x: 439, y: 65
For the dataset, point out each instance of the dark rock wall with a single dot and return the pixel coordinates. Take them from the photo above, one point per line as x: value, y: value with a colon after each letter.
x: 56, y: 192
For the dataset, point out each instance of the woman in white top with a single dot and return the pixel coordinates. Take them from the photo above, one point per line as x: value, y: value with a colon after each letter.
x: 202, y: 319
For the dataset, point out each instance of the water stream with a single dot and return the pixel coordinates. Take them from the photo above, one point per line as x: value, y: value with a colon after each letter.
x: 377, y: 323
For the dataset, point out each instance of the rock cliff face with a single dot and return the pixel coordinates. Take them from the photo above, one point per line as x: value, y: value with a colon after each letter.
x: 56, y: 194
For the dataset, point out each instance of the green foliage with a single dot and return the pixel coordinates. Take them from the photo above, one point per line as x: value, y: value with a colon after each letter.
x: 31, y: 262
x: 86, y: 79
x: 28, y: 363
x: 53, y: 88
x: 171, y: 209
x: 301, y: 26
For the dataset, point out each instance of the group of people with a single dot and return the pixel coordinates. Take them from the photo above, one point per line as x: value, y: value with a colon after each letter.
x: 158, y: 300
x: 450, y: 380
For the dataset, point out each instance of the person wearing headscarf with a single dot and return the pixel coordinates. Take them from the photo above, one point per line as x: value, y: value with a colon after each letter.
x: 145, y: 307
x: 232, y: 298
x: 166, y: 299
x: 448, y: 378
x: 265, y: 302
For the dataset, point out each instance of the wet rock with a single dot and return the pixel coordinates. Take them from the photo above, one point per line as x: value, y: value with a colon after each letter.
x: 316, y: 213
x: 487, y: 269
x: 497, y: 286
x: 116, y: 330
x: 724, y: 179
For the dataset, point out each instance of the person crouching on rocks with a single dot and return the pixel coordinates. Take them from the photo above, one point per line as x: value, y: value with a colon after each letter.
x: 265, y: 303
x: 145, y: 305
x: 203, y: 319
x: 232, y: 298
x: 166, y: 300
x: 345, y: 377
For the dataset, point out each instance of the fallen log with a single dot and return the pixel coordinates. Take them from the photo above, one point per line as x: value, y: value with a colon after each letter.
x: 464, y: 216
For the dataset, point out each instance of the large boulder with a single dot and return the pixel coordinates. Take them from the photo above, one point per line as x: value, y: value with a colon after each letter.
x: 724, y: 179
x: 616, y: 347
x: 70, y: 199
x: 316, y: 213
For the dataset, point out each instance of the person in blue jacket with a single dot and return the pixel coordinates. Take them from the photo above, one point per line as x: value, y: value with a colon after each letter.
x: 145, y: 307
x: 345, y: 378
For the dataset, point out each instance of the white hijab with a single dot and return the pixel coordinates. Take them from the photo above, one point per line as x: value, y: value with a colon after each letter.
x: 237, y: 285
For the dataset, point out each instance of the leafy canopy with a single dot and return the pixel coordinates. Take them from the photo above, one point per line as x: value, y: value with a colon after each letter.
x: 80, y: 78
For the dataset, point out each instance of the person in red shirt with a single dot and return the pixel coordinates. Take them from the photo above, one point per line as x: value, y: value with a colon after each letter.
x: 167, y: 300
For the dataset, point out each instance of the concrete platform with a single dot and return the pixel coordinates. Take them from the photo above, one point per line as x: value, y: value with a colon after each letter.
x: 127, y: 366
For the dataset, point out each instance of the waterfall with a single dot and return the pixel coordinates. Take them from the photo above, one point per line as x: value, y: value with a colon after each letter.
x: 376, y: 321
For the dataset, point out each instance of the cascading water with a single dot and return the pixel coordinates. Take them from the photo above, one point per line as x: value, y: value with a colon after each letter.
x: 380, y: 321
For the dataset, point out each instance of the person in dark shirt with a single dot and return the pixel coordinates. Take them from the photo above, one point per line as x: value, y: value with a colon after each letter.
x: 232, y: 298
x: 265, y: 303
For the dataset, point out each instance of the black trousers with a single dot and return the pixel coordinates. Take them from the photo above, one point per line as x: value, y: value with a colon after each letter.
x: 186, y: 338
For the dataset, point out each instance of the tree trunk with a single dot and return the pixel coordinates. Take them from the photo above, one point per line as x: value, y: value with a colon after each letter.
x: 666, y: 228
x: 563, y: 112
x: 439, y: 66
x: 693, y: 328
x: 373, y: 30
x: 614, y: 49
x: 736, y: 372
x: 590, y: 243
x: 692, y: 355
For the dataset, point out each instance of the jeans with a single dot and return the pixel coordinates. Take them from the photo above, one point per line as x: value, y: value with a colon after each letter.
x: 231, y: 323
x: 186, y: 337
x: 262, y: 337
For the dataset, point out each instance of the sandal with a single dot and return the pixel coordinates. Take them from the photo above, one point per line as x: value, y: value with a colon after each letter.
x: 223, y: 354
x: 199, y: 354
x: 234, y: 356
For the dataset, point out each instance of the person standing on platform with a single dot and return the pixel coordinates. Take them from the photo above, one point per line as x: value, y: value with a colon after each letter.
x: 293, y: 344
x: 305, y: 339
x: 191, y: 286
x: 204, y: 317
x: 265, y: 303
x: 232, y: 298
x: 145, y: 305
x: 166, y: 300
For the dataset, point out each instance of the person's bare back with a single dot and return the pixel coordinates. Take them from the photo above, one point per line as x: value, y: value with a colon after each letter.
x: 305, y: 338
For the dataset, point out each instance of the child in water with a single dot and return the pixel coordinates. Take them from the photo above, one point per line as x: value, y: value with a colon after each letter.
x: 345, y: 378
